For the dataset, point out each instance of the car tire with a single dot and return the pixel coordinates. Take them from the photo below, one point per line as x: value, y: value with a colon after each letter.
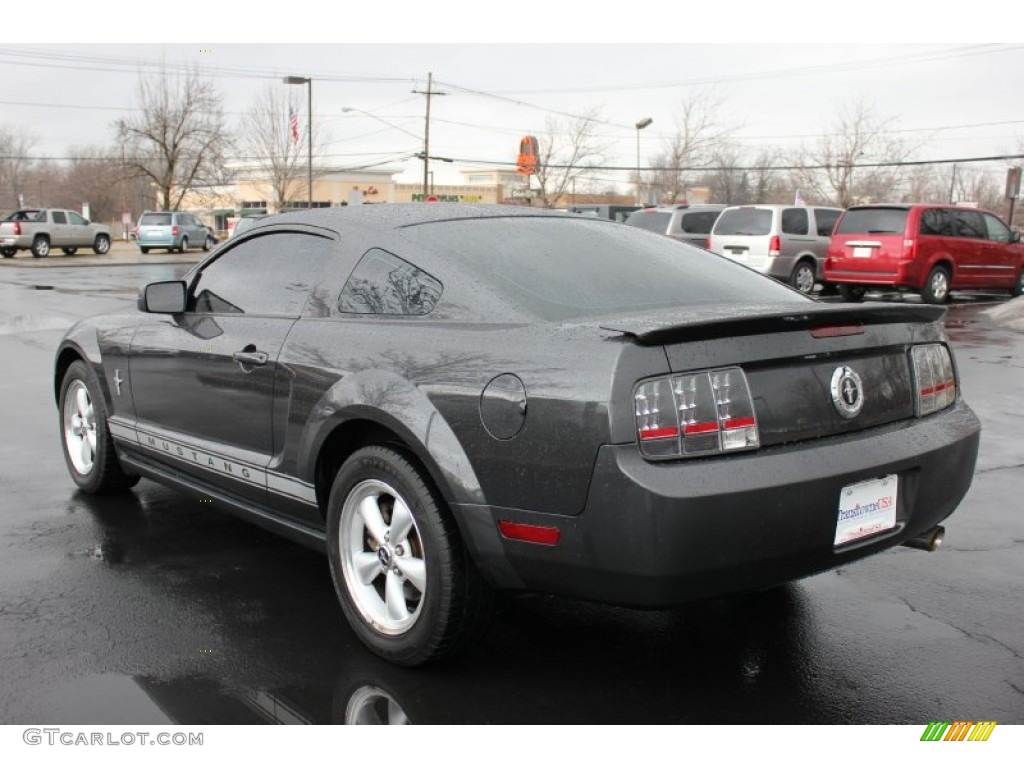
x: 41, y: 247
x: 411, y: 596
x: 69, y: 251
x: 85, y: 438
x: 101, y: 245
x: 803, y: 277
x: 208, y: 243
x: 852, y: 293
x: 936, y: 286
x: 143, y: 249
x: 8, y: 253
x: 1018, y: 287
x: 184, y: 245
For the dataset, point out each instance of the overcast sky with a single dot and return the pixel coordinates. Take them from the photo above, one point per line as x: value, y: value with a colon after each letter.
x: 955, y: 99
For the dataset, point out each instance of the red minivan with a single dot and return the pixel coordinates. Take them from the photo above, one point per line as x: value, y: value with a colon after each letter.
x: 931, y: 249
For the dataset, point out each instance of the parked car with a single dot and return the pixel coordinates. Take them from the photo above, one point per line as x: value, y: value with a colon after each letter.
x: 448, y: 399
x: 787, y: 242
x: 930, y: 249
x: 41, y: 229
x: 688, y: 223
x: 173, y: 231
x: 617, y: 213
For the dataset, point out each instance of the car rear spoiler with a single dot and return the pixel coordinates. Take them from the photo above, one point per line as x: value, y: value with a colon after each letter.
x: 749, y: 321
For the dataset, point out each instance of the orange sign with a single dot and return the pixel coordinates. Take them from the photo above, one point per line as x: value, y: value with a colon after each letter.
x: 527, y: 161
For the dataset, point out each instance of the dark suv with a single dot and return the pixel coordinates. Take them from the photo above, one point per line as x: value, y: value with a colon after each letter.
x: 931, y: 249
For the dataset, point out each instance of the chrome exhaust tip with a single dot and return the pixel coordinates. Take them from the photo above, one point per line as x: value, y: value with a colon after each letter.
x: 929, y: 541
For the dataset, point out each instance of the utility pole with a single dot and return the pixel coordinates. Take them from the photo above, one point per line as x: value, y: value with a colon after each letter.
x: 426, y: 132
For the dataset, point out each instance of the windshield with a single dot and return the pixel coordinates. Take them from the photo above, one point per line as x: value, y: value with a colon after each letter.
x: 560, y: 268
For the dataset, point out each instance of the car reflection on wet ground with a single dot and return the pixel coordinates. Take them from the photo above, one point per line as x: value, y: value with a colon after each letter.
x: 156, y: 608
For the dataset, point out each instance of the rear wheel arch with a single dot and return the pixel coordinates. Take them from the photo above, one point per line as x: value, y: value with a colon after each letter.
x: 350, y: 435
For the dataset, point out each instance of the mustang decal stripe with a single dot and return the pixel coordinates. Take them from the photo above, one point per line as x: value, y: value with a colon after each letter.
x: 242, y: 471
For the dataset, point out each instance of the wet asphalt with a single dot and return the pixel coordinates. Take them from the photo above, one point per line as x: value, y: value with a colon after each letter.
x: 154, y: 608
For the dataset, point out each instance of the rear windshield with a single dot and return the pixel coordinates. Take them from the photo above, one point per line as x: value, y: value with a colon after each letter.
x: 155, y: 219
x: 873, y: 221
x: 560, y: 269
x: 744, y: 221
x: 699, y: 222
x: 654, y: 221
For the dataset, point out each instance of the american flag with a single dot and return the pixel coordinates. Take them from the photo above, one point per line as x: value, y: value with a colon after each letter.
x: 293, y: 124
x: 799, y: 199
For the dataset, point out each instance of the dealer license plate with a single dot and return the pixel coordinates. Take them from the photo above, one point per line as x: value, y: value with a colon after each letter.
x: 862, y: 252
x: 866, y: 508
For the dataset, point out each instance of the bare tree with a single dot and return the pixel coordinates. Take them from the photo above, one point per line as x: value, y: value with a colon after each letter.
x: 272, y: 152
x: 179, y: 139
x: 844, y: 166
x: 569, y: 148
x: 15, y: 163
x: 699, y: 133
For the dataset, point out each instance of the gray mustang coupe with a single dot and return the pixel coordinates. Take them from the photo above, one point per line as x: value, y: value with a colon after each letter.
x: 451, y: 399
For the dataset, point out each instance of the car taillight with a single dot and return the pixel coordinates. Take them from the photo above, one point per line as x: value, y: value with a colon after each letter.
x: 696, y: 414
x: 774, y: 246
x: 707, y: 243
x: 934, y: 380
x: 908, y: 248
x: 17, y: 227
x: 175, y: 230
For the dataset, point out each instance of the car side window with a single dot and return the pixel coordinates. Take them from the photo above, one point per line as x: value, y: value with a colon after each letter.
x: 384, y: 284
x: 794, y: 221
x: 825, y: 220
x: 76, y: 219
x: 268, y: 275
x: 969, y: 224
x: 59, y: 217
x: 936, y: 221
x: 996, y: 230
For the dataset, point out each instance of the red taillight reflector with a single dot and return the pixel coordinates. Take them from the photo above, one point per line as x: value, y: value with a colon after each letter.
x: 831, y: 331
x: 657, y: 434
x: 17, y: 227
x: 534, y: 534
x: 174, y: 230
x: 937, y: 388
x: 774, y: 246
x: 702, y: 428
x: 738, y: 423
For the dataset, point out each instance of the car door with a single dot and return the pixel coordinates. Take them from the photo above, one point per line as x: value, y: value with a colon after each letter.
x: 203, y: 381
x: 196, y: 231
x: 79, y: 232
x: 1002, y: 255
x: 59, y: 229
x: 969, y: 249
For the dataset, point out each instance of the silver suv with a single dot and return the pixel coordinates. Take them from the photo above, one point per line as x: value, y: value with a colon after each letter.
x: 173, y: 230
x: 689, y: 223
x: 787, y: 242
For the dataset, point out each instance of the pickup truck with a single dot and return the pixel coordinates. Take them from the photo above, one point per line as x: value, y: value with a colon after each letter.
x: 41, y: 229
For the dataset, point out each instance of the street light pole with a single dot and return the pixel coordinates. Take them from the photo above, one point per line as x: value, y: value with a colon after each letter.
x: 308, y: 82
x: 639, y: 127
x: 426, y: 132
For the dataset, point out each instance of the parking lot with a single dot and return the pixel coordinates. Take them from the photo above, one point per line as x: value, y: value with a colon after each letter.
x: 154, y: 607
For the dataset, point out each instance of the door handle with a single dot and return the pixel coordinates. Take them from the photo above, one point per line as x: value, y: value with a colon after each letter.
x: 250, y: 357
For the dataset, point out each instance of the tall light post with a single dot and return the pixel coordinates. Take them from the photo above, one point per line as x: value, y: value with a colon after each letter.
x: 639, y: 127
x: 308, y: 82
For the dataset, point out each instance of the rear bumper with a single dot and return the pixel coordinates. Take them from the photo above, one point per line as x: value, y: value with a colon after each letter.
x: 14, y: 242
x: 657, y: 534
x: 900, y: 274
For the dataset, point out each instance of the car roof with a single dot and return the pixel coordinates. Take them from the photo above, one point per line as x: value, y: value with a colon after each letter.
x: 393, y: 216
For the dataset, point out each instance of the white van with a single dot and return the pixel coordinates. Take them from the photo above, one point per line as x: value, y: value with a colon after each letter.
x: 787, y: 242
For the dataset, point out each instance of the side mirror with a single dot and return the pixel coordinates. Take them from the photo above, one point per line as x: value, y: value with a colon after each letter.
x: 165, y: 298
